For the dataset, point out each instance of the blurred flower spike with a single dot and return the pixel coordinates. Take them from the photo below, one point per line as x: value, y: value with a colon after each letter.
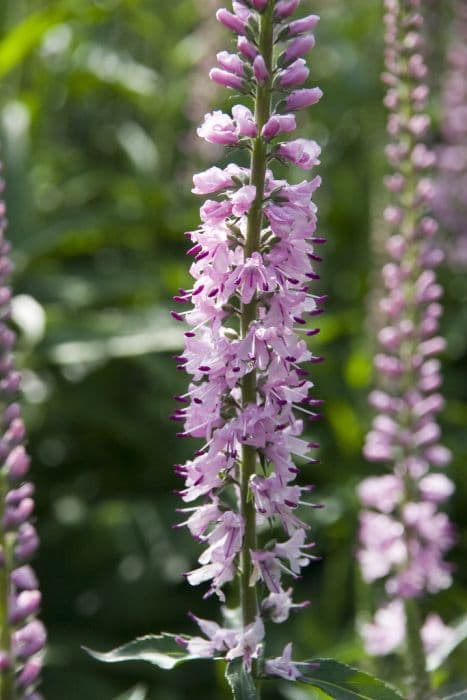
x: 22, y: 635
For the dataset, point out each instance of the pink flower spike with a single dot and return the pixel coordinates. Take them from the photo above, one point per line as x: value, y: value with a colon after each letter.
x: 299, y: 99
x: 231, y: 21
x: 300, y: 152
x: 226, y: 79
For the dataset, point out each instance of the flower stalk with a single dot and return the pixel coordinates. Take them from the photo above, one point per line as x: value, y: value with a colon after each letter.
x: 249, y: 312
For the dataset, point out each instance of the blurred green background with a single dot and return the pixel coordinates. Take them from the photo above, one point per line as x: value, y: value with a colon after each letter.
x: 99, y: 102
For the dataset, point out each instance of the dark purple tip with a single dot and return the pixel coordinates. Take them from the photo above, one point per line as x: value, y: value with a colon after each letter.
x: 204, y: 368
x: 313, y: 331
x: 176, y: 316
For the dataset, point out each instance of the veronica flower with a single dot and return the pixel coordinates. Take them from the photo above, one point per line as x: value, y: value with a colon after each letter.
x: 22, y: 635
x: 254, y: 258
x: 403, y: 536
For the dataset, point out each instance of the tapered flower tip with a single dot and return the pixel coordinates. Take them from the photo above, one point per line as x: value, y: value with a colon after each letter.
x: 285, y: 8
x: 299, y: 99
x: 231, y: 21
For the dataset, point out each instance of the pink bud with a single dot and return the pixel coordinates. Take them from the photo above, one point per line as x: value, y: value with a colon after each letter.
x: 230, y: 21
x: 305, y: 24
x: 260, y: 69
x: 299, y: 47
x: 246, y: 49
x: 295, y: 74
x: 285, y: 8
x: 303, y: 98
x: 230, y: 62
x: 226, y: 79
x: 279, y: 124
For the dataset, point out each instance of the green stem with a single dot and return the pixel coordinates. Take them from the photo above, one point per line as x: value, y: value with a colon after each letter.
x: 249, y: 600
x: 7, y: 691
x: 419, y: 678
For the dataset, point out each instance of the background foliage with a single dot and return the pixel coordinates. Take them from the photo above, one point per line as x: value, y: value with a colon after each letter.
x: 97, y: 104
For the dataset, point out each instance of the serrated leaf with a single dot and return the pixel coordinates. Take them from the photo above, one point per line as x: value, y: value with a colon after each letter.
x: 457, y: 696
x: 439, y: 656
x: 343, y: 682
x: 158, y: 650
x: 241, y: 682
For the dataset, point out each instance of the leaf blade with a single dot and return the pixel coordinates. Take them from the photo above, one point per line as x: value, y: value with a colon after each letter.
x: 343, y: 682
x: 240, y: 681
x: 158, y: 650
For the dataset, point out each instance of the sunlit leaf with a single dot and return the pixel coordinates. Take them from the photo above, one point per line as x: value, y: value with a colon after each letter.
x: 23, y: 38
x: 342, y: 682
x: 158, y: 650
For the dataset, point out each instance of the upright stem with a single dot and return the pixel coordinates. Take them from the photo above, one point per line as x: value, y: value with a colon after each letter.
x: 419, y: 678
x: 7, y: 691
x: 249, y: 311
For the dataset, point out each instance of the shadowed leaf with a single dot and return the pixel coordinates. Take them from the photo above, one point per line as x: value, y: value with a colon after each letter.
x: 240, y: 681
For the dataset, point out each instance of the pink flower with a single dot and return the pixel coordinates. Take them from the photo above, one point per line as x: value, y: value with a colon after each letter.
x: 226, y: 79
x: 387, y: 631
x: 218, y: 128
x: 279, y: 124
x: 299, y: 47
x: 283, y: 666
x: 301, y: 152
x: 295, y: 74
x: 305, y: 24
x: 303, y: 98
x: 232, y: 22
x: 245, y: 121
x: 260, y: 70
x: 211, y: 180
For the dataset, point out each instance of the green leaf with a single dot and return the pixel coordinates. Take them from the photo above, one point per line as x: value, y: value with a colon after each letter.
x: 158, y: 650
x: 457, y: 696
x: 240, y: 681
x: 23, y: 38
x: 138, y: 693
x: 438, y: 657
x: 342, y: 682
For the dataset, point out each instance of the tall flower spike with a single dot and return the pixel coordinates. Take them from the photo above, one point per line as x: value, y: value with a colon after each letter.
x: 403, y: 536
x: 22, y: 635
x: 450, y: 202
x: 254, y: 266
